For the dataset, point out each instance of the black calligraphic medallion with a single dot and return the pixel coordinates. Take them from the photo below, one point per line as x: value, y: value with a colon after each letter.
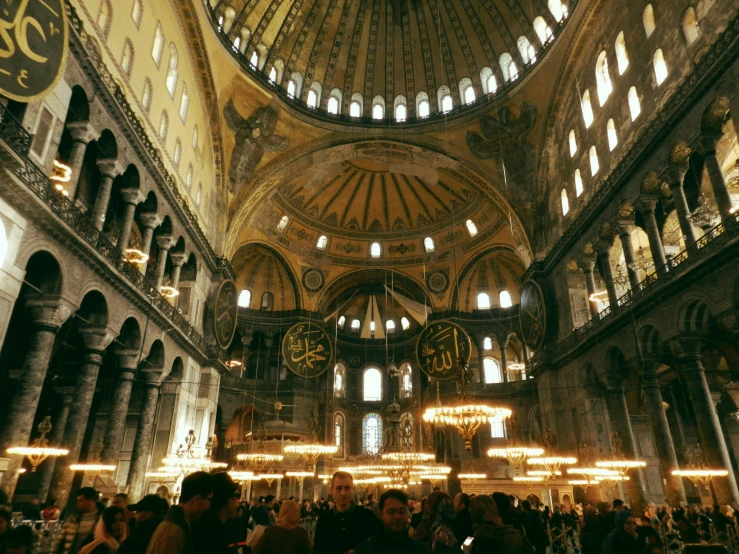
x: 33, y: 47
x: 225, y: 313
x: 307, y: 350
x: 442, y: 346
x: 533, y: 315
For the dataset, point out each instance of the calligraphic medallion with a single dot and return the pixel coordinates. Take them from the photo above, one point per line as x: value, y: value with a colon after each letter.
x: 225, y: 313
x: 307, y: 350
x: 441, y: 347
x: 533, y: 315
x: 33, y: 47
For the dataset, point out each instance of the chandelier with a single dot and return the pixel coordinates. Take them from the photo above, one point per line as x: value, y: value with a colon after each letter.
x: 515, y: 453
x: 259, y: 460
x: 168, y: 292
x: 94, y: 469
x: 550, y: 462
x: 136, y: 256
x: 584, y: 483
x: 310, y: 453
x: 40, y: 449
x: 642, y: 259
x: 599, y: 296
x: 620, y: 279
x: 472, y: 476
x: 697, y: 471
x: 620, y: 464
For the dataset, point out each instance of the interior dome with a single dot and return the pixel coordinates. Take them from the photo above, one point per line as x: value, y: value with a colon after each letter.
x: 497, y: 275
x: 266, y: 277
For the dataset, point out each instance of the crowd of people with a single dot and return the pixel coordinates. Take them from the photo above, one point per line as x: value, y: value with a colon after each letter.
x: 211, y: 518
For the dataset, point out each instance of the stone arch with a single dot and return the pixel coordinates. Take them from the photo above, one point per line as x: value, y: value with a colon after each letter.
x: 615, y: 363
x: 44, y: 273
x: 650, y: 342
x: 130, y: 334
x: 177, y: 372
x: 156, y: 356
x: 695, y: 316
x: 93, y: 310
x: 471, y: 265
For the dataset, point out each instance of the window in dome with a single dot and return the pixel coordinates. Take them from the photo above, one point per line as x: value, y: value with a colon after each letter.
x: 237, y: 44
x: 341, y: 322
x: 445, y: 99
x: 492, y: 372
x: 297, y: 80
x: 322, y: 242
x: 371, y: 434
x: 164, y: 126
x: 291, y: 88
x: 339, y: 380
x: 333, y: 105
x: 172, y: 71
x: 505, y: 62
x: 372, y: 385
x: 138, y: 12
x: 587, y: 109
x: 487, y: 343
x: 312, y: 100
x: 487, y: 78
x: 523, y: 49
x: 428, y: 244
x: 423, y: 107
x: 390, y: 326
x: 578, y: 183
x: 634, y: 103
x: 195, y: 137
x: 375, y: 250
x: 565, y: 202
x: 127, y: 58
x: 690, y: 26
x: 254, y: 60
x: 471, y: 227
x: 355, y: 325
x: 273, y: 75
x: 158, y: 48
x: 660, y: 67
x: 594, y: 165
x: 542, y: 30
x: 105, y: 17
x: 184, y: 103
x: 603, y: 78
x: 378, y: 107
x: 648, y: 20
x: 612, y: 136
x: 573, y: 143
x: 244, y: 298
x: 405, y: 323
x: 505, y: 299
x: 557, y: 9
x: 466, y: 91
x: 268, y: 300
x: 622, y: 54
x: 483, y: 301
x: 177, y: 156
x: 513, y: 71
x: 282, y: 225
x: 147, y: 95
x: 339, y: 435
x: 400, y: 108
x: 356, y: 108
x: 189, y: 178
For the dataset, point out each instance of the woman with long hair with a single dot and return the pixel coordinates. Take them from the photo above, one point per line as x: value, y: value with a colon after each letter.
x: 109, y: 533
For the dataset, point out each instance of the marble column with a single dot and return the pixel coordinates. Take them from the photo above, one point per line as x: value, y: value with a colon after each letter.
x: 127, y: 362
x: 677, y: 176
x: 55, y: 439
x: 143, y: 442
x: 587, y: 268
x: 110, y: 168
x: 603, y: 249
x: 624, y: 235
x: 662, y: 436
x: 711, y: 436
x: 480, y: 343
x: 503, y: 360
x: 716, y: 176
x: 618, y: 414
x: 81, y: 134
x: 131, y: 198
x: 165, y: 242
x: 178, y: 260
x: 646, y: 208
x: 94, y: 342
x: 48, y: 315
x: 150, y: 221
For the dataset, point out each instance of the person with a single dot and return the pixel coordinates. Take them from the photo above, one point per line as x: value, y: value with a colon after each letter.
x: 31, y: 510
x: 491, y: 534
x: 120, y: 500
x: 260, y: 517
x: 623, y: 538
x: 174, y: 535
x: 6, y: 516
x: 341, y: 529
x: 51, y: 511
x: 435, y: 530
x: 646, y: 533
x: 18, y: 541
x: 147, y: 514
x: 591, y: 534
x: 462, y: 523
x: 534, y: 527
x: 286, y: 536
x: 392, y: 538
x: 209, y: 531
x: 417, y: 514
x: 110, y: 531
x: 79, y: 528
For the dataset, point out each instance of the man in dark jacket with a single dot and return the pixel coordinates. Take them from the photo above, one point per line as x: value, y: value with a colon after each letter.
x: 209, y: 533
x: 393, y: 537
x: 534, y: 527
x: 462, y: 522
x: 346, y: 525
x: 148, y: 514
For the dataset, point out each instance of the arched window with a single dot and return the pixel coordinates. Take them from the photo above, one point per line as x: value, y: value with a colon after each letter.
x: 594, y: 165
x: 573, y: 143
x: 297, y: 84
x: 428, y: 244
x: 648, y: 20
x: 164, y: 126
x: 199, y: 196
x: 254, y: 60
x: 127, y: 58
x: 542, y: 30
x: 372, y: 385
x: 273, y: 75
x: 339, y: 381
x: 622, y: 54
x: 491, y: 370
x: 603, y: 78
x: 390, y: 326
x: 375, y: 250
x: 565, y: 202
x: 147, y: 95
x: 587, y: 109
x: 660, y: 67
x: 634, y: 103
x: 471, y: 227
x: 483, y: 301
x: 355, y: 325
x: 378, y: 107
x: 172, y: 70
x: 188, y: 179
x: 184, y: 103
x: 505, y: 299
x: 578, y: 183
x: 339, y: 434
x: 137, y: 12
x: 466, y: 91
x: 371, y: 434
x: 405, y: 323
x: 282, y: 225
x: 322, y: 242
x: 291, y: 88
x: 497, y: 429
x: 314, y: 95
x: 557, y: 9
x: 244, y: 298
x: 105, y: 18
x: 237, y: 44
x: 356, y: 107
x: 445, y: 99
x: 195, y: 137
x: 268, y: 300
x: 341, y: 322
x: 487, y: 343
x: 525, y: 51
x: 177, y: 156
x: 513, y: 71
x: 612, y: 136
x: 505, y: 66
x: 489, y: 83
x: 423, y: 108
x: 334, y: 102
x: 400, y: 108
x: 690, y: 26
x: 158, y: 48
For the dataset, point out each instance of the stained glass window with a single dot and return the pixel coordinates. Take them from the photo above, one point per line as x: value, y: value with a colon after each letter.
x: 372, y: 433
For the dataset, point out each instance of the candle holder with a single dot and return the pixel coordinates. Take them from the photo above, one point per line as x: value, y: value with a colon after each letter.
x: 40, y: 449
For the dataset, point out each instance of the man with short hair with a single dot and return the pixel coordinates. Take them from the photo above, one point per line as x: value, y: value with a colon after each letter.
x: 342, y: 528
x: 174, y: 535
x: 393, y: 537
x: 462, y: 522
x: 79, y: 526
x: 120, y: 500
x: 148, y: 515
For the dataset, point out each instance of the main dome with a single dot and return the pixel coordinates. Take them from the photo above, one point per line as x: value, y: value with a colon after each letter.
x: 388, y: 60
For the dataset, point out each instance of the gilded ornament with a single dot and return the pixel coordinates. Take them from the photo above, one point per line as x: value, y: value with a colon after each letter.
x: 651, y: 184
x: 680, y: 154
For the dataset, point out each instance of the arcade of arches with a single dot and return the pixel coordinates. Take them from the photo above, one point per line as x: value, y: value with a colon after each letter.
x: 558, y: 178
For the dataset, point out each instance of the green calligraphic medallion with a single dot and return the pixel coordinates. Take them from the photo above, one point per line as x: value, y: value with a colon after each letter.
x: 533, y: 315
x: 33, y: 47
x: 307, y: 350
x: 225, y: 313
x: 441, y: 347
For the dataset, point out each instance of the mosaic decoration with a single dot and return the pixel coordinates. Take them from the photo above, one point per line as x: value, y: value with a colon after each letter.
x: 402, y: 249
x: 441, y: 348
x: 225, y: 312
x: 438, y: 282
x: 307, y: 350
x: 533, y: 315
x: 313, y: 280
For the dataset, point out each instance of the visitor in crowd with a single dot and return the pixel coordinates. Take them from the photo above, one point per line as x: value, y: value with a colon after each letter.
x: 147, y: 514
x: 462, y: 523
x: 32, y: 510
x: 343, y: 528
x: 110, y: 531
x: 286, y: 537
x: 51, y: 512
x: 6, y: 517
x: 260, y: 518
x: 591, y: 534
x: 174, y: 535
x: 392, y: 537
x: 79, y: 528
x: 435, y: 530
x: 646, y: 533
x: 18, y: 541
x: 490, y: 533
x: 417, y: 514
x: 120, y: 500
x: 623, y: 538
x: 534, y: 526
x: 209, y: 531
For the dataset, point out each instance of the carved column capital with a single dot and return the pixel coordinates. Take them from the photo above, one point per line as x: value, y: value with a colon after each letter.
x: 49, y: 312
x: 110, y: 167
x: 131, y: 196
x: 165, y: 242
x: 150, y: 220
x: 81, y: 131
x: 94, y: 341
x: 151, y: 375
x: 646, y: 203
x: 178, y: 258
